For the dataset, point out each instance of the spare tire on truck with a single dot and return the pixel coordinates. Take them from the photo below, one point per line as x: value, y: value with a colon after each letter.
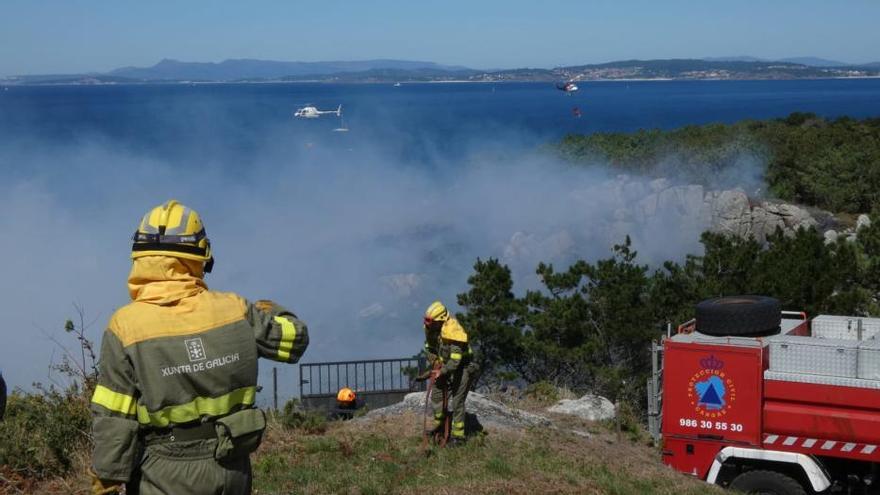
x: 742, y: 316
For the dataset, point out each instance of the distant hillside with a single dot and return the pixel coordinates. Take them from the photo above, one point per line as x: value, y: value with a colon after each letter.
x: 809, y: 61
x: 816, y: 62
x: 389, y: 75
x: 244, y: 69
x: 382, y: 71
x: 738, y: 58
x: 680, y: 69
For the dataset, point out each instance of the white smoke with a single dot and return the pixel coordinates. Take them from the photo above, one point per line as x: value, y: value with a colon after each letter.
x: 344, y: 232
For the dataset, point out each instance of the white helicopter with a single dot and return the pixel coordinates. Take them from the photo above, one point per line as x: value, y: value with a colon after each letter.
x: 310, y: 112
x: 569, y: 87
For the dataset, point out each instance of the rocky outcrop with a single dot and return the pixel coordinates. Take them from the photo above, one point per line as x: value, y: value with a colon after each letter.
x: 729, y: 211
x: 487, y: 411
x: 589, y: 407
x: 733, y: 213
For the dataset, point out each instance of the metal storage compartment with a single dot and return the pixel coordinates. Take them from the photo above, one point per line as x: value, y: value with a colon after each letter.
x: 869, y: 360
x: 845, y: 327
x: 831, y: 357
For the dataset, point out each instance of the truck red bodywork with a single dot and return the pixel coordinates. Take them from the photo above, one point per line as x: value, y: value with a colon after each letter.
x: 740, y: 408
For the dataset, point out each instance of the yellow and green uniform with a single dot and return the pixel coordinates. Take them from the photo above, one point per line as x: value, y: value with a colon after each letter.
x: 173, y: 410
x: 458, y: 371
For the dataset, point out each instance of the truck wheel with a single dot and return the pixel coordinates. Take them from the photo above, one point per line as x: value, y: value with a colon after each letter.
x: 746, y: 316
x: 767, y: 483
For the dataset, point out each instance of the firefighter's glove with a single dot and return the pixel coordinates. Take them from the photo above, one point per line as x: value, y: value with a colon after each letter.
x: 423, y: 376
x: 105, y: 487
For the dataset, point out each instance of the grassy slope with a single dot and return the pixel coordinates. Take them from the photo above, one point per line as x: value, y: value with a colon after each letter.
x: 386, y: 456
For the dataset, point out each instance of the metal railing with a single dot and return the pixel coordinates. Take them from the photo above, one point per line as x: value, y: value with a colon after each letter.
x: 371, y: 376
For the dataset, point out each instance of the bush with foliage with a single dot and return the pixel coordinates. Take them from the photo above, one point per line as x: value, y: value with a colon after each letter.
x: 831, y: 164
x: 589, y: 328
x: 43, y: 432
x: 294, y: 416
x: 543, y: 392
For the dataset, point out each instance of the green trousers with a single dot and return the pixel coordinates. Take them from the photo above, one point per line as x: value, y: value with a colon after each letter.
x: 189, y: 468
x: 457, y: 387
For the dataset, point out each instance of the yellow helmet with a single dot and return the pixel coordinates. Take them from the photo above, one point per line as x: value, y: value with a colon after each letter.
x: 346, y: 396
x: 436, y: 312
x: 172, y: 229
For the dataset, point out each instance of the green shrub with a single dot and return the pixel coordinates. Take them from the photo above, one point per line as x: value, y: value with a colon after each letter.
x: 628, y: 421
x: 832, y: 164
x: 295, y: 417
x: 543, y: 392
x: 43, y: 432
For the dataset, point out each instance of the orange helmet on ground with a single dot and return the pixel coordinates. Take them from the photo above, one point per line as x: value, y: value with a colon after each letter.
x: 345, y: 396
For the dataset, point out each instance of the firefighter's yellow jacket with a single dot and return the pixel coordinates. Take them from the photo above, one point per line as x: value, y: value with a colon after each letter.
x: 180, y: 354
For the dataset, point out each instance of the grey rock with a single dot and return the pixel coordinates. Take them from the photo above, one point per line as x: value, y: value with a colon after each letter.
x: 862, y: 222
x: 589, y: 407
x: 831, y: 236
x: 765, y: 221
x: 660, y: 184
x: 693, y: 198
x: 681, y: 200
x: 639, y: 205
x: 488, y: 411
x: 731, y: 213
x: 768, y: 216
x: 647, y: 207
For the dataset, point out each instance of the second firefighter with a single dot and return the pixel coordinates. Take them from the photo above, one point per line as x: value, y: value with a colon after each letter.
x: 448, y: 351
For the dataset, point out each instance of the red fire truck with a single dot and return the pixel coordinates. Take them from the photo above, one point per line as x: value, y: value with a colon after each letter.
x: 763, y: 401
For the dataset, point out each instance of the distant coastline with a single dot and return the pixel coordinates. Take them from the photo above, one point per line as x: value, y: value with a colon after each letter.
x: 394, y: 71
x: 5, y: 84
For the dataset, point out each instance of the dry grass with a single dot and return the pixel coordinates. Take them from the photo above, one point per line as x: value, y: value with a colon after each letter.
x: 75, y: 483
x: 386, y: 456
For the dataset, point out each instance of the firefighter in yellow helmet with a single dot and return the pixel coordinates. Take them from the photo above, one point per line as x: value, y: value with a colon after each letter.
x: 346, y: 397
x: 173, y: 410
x: 446, y: 345
x: 346, y: 403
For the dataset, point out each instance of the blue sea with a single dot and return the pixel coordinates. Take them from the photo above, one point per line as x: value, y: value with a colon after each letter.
x: 227, y: 123
x: 355, y: 231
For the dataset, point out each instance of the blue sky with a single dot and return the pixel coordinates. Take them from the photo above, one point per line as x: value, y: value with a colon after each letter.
x: 58, y: 36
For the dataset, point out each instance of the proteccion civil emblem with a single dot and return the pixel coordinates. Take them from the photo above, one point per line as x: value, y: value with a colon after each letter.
x: 711, y: 391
